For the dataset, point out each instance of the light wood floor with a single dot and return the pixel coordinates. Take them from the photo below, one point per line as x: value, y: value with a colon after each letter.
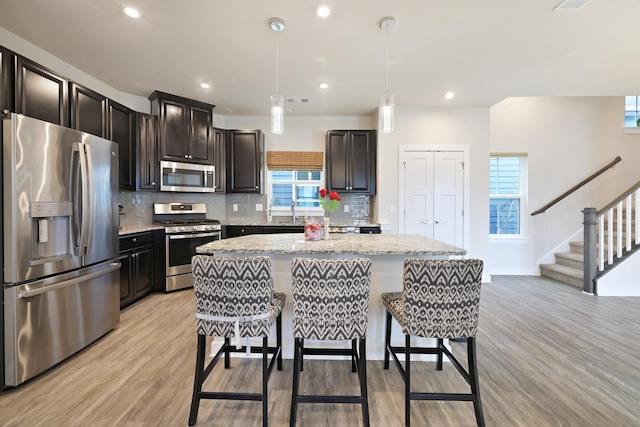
x: 548, y: 356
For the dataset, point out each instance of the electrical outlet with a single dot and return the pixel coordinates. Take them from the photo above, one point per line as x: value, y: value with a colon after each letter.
x: 259, y: 207
x: 235, y: 207
x: 346, y: 208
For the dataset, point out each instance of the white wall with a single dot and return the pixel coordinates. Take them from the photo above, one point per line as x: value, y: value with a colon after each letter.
x: 567, y: 139
x: 34, y: 53
x: 438, y: 126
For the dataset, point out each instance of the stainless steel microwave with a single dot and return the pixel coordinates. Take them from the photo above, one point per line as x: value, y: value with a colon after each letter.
x: 187, y: 177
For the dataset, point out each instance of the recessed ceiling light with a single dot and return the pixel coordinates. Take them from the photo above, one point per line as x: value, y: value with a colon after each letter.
x: 131, y: 12
x: 323, y: 11
x: 449, y: 95
x: 323, y: 85
x: 204, y: 85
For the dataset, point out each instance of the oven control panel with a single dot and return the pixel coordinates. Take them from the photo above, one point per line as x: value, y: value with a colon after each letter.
x: 197, y: 228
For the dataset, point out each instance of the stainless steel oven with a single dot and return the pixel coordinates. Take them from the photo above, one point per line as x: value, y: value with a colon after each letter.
x: 187, y: 177
x: 186, y: 227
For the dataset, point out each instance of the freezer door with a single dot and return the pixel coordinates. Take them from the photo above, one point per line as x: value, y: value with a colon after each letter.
x: 49, y: 320
x: 59, y: 190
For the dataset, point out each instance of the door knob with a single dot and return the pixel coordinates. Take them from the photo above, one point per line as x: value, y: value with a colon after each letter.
x: 427, y: 221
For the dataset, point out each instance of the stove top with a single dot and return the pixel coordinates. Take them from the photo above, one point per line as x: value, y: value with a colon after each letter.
x: 186, y: 221
x: 184, y: 217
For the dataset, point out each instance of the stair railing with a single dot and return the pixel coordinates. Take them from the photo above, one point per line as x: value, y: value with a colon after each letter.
x: 627, y: 237
x: 578, y: 186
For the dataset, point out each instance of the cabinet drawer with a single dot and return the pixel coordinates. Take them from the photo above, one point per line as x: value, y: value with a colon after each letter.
x: 370, y: 230
x: 135, y: 240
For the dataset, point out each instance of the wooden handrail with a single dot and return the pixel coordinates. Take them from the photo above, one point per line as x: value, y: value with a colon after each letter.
x: 618, y: 199
x: 575, y: 187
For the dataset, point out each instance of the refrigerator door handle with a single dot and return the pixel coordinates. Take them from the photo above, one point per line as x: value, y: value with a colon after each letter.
x: 25, y: 292
x: 85, y: 212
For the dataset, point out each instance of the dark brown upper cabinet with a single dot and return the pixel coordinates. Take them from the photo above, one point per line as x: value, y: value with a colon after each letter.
x: 219, y: 160
x: 121, y: 129
x: 184, y: 128
x: 41, y: 93
x: 6, y: 79
x: 88, y: 110
x: 147, y: 171
x: 244, y: 161
x: 351, y: 161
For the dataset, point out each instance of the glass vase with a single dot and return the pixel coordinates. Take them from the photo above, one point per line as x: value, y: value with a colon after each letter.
x: 326, y: 228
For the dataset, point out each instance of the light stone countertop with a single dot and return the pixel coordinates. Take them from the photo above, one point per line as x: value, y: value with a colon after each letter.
x: 140, y: 228
x: 357, y: 244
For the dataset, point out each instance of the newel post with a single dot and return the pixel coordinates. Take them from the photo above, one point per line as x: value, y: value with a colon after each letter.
x: 590, y: 265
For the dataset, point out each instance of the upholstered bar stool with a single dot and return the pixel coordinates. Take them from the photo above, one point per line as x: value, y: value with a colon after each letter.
x: 235, y: 298
x: 331, y: 302
x: 440, y: 299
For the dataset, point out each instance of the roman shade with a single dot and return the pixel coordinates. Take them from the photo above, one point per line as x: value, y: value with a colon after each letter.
x: 295, y: 160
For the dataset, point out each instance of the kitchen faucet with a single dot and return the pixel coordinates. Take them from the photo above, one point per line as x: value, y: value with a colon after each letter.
x: 293, y: 210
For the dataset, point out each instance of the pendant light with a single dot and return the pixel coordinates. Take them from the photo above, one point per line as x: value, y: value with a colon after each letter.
x: 386, y: 104
x: 277, y: 100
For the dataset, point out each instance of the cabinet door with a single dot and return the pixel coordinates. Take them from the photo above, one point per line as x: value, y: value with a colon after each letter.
x: 337, y: 156
x: 6, y: 80
x: 88, y: 110
x: 126, y: 277
x: 122, y: 130
x: 201, y: 144
x: 144, y: 271
x: 219, y: 160
x: 41, y: 93
x: 147, y: 157
x: 244, y: 152
x: 174, y: 131
x: 362, y: 146
x: 241, y: 230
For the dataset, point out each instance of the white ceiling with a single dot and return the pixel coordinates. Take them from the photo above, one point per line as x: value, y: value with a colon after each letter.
x: 483, y: 50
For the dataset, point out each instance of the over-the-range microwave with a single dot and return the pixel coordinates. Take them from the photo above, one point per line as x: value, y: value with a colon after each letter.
x: 187, y: 177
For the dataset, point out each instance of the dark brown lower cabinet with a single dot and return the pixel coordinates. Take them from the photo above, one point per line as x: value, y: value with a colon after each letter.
x: 136, y: 272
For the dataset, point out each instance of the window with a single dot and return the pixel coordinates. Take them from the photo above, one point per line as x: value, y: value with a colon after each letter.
x: 507, y: 202
x: 631, y: 111
x: 299, y: 187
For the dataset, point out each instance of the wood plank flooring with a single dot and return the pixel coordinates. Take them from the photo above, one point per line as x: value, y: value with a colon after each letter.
x: 548, y: 356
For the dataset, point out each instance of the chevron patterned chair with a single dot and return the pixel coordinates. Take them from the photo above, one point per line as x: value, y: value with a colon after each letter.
x: 331, y: 302
x: 440, y: 299
x: 235, y: 298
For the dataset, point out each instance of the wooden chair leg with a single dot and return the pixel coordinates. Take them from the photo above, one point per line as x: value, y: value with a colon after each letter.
x: 387, y: 340
x: 301, y: 354
x: 362, y: 372
x: 473, y: 377
x: 265, y: 378
x: 227, y: 354
x: 407, y: 381
x: 354, y: 350
x: 197, y: 381
x: 297, y: 362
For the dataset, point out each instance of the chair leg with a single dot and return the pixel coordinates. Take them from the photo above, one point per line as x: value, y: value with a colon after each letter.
x: 197, y: 381
x: 265, y: 377
x: 354, y: 349
x: 227, y: 354
x: 407, y: 380
x: 440, y: 354
x: 301, y: 354
x: 473, y: 376
x: 387, y: 341
x: 362, y: 372
x: 297, y: 362
x: 279, y: 339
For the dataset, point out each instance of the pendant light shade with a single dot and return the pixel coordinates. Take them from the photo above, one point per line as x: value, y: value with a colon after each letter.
x: 386, y: 110
x: 277, y: 114
x: 277, y: 100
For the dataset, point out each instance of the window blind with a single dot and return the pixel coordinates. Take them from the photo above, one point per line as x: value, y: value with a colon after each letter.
x: 295, y: 160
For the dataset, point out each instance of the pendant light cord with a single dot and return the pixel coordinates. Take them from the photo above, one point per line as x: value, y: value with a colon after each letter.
x: 277, y: 61
x: 387, y: 31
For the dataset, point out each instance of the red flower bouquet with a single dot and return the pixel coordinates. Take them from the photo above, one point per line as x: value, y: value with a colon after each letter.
x: 329, y: 200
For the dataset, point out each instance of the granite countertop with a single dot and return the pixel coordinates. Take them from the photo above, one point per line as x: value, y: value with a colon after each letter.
x: 139, y: 228
x: 358, y: 244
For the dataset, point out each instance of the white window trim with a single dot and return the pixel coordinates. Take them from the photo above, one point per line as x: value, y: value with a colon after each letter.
x: 522, y: 237
x: 278, y: 210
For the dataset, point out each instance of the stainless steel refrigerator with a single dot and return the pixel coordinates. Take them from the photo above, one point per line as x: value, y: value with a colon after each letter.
x: 60, y: 244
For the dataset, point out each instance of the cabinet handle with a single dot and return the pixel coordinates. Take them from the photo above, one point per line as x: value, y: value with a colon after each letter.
x: 153, y: 183
x: 256, y: 187
x: 135, y: 239
x: 186, y: 156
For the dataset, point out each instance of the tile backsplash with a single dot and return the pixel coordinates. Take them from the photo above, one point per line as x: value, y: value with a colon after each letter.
x: 138, y: 206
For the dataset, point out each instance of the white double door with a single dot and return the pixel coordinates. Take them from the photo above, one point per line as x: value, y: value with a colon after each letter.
x: 432, y: 194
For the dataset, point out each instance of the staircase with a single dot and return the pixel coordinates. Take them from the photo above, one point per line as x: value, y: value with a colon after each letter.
x: 569, y: 266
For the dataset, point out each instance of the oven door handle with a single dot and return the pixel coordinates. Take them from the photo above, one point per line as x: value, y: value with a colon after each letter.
x: 192, y: 236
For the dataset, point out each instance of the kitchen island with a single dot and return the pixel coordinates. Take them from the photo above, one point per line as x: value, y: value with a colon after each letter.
x: 386, y: 251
